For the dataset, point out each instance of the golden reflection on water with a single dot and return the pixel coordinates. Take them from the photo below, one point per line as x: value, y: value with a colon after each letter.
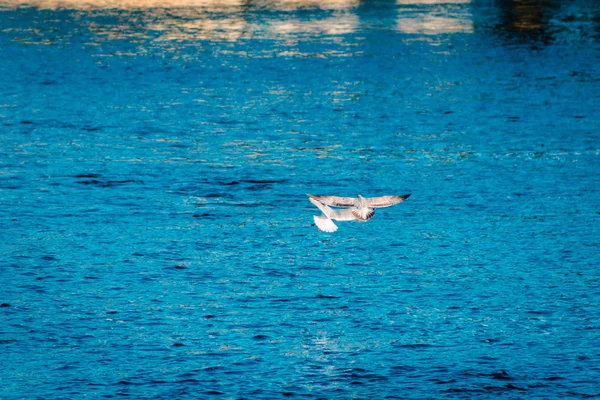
x: 444, y: 16
x: 211, y: 5
x: 339, y: 24
x: 428, y: 24
x: 191, y: 24
x: 233, y: 20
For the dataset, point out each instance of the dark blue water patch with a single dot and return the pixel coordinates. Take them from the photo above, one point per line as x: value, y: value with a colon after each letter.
x: 88, y: 176
x: 323, y: 296
x: 583, y: 395
x: 218, y: 195
x: 106, y: 183
x: 91, y: 128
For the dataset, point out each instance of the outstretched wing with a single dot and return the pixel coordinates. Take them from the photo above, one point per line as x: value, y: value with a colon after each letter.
x: 386, y: 201
x: 335, y: 201
x: 324, y: 208
x: 325, y: 224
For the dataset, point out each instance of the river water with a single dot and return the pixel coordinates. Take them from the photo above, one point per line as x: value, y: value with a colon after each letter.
x: 155, y: 236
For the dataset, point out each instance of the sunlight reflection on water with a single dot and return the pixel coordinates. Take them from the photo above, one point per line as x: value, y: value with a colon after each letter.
x: 181, y: 20
x: 234, y: 20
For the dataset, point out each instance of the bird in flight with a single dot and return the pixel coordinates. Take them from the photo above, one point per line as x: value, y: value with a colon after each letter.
x: 359, y: 208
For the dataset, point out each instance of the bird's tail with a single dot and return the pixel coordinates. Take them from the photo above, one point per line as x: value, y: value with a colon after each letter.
x: 325, y: 224
x: 363, y: 214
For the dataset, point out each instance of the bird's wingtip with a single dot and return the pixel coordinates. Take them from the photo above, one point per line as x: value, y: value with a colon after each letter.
x: 325, y: 224
x: 406, y: 196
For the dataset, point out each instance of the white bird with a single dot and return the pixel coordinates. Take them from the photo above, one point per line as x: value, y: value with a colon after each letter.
x: 361, y: 208
x: 325, y: 222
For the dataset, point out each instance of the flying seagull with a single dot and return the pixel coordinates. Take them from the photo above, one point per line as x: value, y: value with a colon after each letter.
x: 360, y: 208
x: 325, y: 222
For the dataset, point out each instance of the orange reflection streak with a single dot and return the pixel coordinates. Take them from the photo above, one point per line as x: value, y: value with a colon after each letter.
x: 288, y: 5
x: 432, y: 25
x: 339, y: 24
x: 180, y: 20
x: 213, y: 5
x: 232, y: 20
x: 198, y: 24
x: 119, y: 4
x: 443, y: 16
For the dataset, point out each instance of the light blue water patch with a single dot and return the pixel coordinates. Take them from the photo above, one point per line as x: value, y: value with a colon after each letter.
x: 157, y: 241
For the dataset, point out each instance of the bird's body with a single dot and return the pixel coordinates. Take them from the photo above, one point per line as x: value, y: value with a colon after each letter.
x: 325, y: 222
x: 360, y: 208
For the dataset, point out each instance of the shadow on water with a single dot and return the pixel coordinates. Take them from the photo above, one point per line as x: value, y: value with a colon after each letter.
x: 527, y: 16
x: 545, y: 21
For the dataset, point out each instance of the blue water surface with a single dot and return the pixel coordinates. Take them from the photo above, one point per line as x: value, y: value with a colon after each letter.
x: 155, y: 236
